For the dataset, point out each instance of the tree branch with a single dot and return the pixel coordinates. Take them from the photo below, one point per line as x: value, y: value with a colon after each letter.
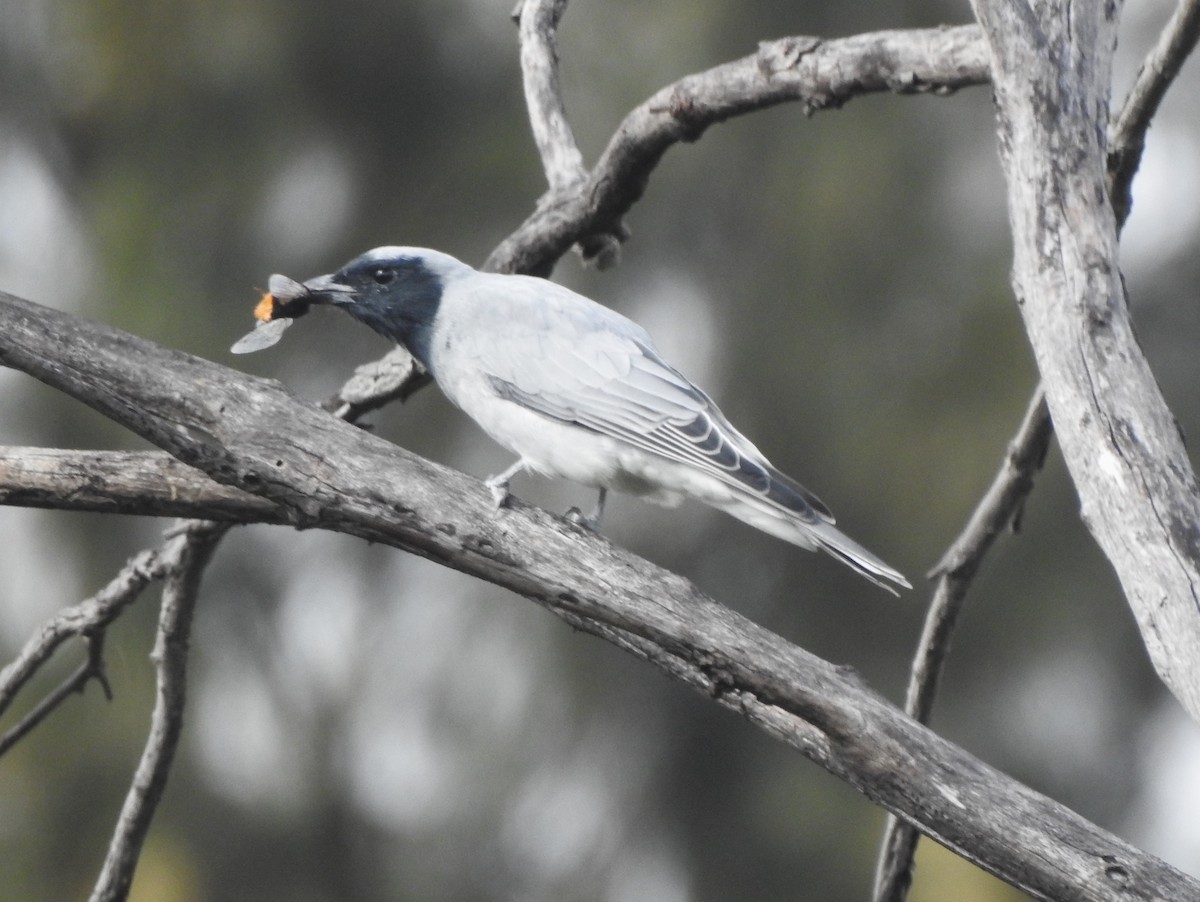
x: 88, y: 618
x: 252, y: 434
x: 997, y: 510
x: 90, y: 668
x: 819, y: 74
x: 561, y: 159
x: 184, y: 560
x: 396, y: 376
x: 1127, y: 136
x: 1002, y: 503
x: 1122, y: 446
x: 146, y: 483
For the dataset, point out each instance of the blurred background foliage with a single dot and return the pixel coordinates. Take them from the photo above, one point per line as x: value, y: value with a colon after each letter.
x: 364, y: 725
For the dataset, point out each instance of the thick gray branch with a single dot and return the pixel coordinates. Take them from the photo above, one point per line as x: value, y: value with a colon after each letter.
x: 149, y: 483
x: 1002, y: 503
x: 819, y: 74
x: 1051, y: 71
x: 250, y: 433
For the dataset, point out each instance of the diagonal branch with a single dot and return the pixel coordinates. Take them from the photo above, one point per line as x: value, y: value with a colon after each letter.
x: 90, y: 668
x: 1002, y: 503
x: 88, y: 618
x: 816, y: 73
x: 996, y: 511
x: 561, y: 158
x: 252, y: 434
x: 1137, y: 488
x: 185, y: 558
x: 587, y: 211
x: 1127, y: 136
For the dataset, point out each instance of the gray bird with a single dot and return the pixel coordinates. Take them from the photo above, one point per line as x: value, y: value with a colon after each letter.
x: 572, y: 388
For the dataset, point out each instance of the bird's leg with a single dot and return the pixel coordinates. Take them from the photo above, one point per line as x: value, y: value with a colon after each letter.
x: 592, y: 521
x: 498, y: 484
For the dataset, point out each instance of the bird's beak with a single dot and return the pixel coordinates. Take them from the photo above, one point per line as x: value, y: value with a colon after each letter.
x: 327, y: 290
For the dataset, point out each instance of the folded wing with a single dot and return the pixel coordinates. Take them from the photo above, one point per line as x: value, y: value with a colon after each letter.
x: 616, y: 384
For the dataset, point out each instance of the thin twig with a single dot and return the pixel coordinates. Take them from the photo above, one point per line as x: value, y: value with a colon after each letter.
x: 995, y: 512
x: 1004, y: 499
x: 88, y: 618
x: 187, y: 556
x: 90, y: 668
x: 1127, y: 135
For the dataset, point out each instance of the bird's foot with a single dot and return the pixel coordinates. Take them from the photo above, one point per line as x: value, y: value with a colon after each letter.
x: 500, y: 493
x: 575, y: 515
x: 591, y: 521
x: 498, y: 484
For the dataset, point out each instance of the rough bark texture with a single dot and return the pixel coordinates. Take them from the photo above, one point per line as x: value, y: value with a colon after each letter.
x: 1052, y: 71
x: 147, y: 483
x: 250, y: 433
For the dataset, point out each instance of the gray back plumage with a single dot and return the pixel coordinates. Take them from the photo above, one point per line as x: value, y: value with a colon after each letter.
x: 566, y: 357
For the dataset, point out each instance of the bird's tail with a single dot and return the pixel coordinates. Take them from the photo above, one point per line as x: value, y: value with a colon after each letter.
x: 811, y: 530
x: 832, y: 540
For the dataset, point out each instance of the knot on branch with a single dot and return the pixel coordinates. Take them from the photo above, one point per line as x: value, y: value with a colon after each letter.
x: 784, y: 53
x: 603, y: 249
x: 690, y: 114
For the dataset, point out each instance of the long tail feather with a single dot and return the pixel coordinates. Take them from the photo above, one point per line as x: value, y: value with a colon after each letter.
x: 812, y: 532
x: 849, y: 552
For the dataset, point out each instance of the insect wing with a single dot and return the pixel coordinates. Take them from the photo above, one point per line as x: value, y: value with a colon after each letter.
x: 285, y: 289
x: 263, y: 336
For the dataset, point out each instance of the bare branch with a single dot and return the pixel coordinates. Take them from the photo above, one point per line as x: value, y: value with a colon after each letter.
x: 88, y: 618
x: 90, y: 668
x: 819, y: 74
x: 997, y: 510
x: 561, y: 159
x: 1127, y: 136
x: 394, y: 377
x: 147, y: 483
x: 184, y: 558
x: 1002, y: 503
x: 252, y: 434
x: 1122, y: 446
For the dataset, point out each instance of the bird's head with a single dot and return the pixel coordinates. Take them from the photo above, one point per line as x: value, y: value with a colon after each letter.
x: 397, y: 291
x: 394, y: 290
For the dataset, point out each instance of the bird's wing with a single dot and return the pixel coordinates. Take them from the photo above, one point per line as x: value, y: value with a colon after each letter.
x: 594, y: 368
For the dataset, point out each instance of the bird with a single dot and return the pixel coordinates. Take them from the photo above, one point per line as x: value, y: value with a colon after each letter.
x: 574, y: 389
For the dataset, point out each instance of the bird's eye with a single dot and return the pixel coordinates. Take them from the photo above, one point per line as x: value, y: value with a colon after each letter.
x: 383, y: 275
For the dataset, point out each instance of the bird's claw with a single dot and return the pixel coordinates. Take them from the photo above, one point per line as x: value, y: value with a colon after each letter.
x: 575, y: 515
x: 500, y: 493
